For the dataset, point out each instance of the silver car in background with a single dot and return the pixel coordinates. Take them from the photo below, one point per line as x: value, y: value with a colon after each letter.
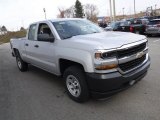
x: 113, y: 26
x: 153, y: 27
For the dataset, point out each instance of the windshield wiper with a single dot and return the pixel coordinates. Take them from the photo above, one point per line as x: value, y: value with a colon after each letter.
x: 67, y: 37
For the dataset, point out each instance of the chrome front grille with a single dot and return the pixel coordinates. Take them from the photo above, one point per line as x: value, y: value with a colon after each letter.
x: 131, y: 51
x: 132, y: 64
x: 131, y: 57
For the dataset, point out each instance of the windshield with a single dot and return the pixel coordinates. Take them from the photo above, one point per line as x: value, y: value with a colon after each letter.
x: 114, y: 24
x: 125, y: 23
x: 69, y: 28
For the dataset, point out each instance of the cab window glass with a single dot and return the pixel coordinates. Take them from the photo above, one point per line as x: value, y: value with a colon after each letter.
x: 32, y: 32
x: 44, y: 29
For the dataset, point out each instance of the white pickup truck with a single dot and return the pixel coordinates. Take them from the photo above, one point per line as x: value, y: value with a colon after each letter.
x: 93, y: 63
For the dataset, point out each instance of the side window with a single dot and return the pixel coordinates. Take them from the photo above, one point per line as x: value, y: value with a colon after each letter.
x: 44, y: 29
x: 32, y: 32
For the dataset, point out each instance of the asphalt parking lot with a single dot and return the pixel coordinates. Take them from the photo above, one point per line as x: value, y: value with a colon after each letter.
x: 38, y: 95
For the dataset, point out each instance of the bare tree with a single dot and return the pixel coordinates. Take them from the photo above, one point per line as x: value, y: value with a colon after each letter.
x: 91, y: 12
x: 69, y: 13
x: 22, y: 29
x: 61, y: 13
x: 66, y: 13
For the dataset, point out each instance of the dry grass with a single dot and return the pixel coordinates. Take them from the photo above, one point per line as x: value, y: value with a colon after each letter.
x: 6, y: 38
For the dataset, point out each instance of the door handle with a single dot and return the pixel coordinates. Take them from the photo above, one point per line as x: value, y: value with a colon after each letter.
x: 26, y: 44
x: 36, y: 46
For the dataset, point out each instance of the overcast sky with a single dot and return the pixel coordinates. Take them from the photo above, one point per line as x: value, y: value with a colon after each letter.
x: 17, y: 13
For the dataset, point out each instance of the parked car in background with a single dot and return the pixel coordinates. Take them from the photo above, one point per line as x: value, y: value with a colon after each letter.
x: 113, y: 26
x: 124, y: 26
x: 102, y: 24
x: 153, y: 27
x: 148, y: 17
x: 133, y: 25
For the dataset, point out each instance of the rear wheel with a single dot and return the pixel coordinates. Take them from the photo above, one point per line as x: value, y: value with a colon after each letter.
x: 75, y: 84
x: 23, y: 66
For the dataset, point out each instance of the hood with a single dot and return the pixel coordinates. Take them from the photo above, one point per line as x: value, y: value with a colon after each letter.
x: 103, y: 40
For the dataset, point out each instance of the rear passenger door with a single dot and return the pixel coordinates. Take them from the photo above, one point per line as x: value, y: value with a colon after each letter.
x: 29, y: 44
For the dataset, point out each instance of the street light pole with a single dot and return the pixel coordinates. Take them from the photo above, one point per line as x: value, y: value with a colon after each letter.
x: 134, y: 8
x: 123, y: 12
x: 44, y: 10
x: 155, y: 9
x: 114, y: 11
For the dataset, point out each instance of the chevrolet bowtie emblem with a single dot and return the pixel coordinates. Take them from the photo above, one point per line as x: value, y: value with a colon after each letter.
x: 140, y: 54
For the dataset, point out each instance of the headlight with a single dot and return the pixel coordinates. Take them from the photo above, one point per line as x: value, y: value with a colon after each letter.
x: 108, y: 55
x: 105, y: 55
x: 147, y: 44
x: 105, y: 60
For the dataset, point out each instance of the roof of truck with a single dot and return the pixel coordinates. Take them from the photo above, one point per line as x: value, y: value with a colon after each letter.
x: 60, y: 19
x: 65, y: 19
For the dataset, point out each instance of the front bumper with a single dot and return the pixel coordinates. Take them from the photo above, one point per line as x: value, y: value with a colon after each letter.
x: 152, y: 32
x: 105, y: 85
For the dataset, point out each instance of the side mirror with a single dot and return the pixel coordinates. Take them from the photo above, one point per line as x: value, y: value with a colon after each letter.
x: 45, y: 37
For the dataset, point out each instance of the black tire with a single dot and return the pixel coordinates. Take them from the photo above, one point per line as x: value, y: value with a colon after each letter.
x: 78, y: 73
x: 23, y: 66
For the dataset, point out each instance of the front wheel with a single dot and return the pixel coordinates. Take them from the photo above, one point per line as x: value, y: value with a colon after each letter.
x: 75, y: 84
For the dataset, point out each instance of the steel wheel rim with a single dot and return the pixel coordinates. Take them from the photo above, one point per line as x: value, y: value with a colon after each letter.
x: 73, y: 85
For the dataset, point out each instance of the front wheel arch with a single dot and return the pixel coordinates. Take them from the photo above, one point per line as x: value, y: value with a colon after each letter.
x: 64, y: 64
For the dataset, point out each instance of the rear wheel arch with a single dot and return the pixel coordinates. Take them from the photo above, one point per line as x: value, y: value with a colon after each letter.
x: 16, y: 52
x: 22, y: 65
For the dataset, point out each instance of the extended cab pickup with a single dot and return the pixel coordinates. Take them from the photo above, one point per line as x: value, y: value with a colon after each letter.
x: 93, y: 63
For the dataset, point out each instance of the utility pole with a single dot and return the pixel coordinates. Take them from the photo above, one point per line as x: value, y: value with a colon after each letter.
x: 151, y: 11
x: 114, y: 11
x: 110, y: 4
x: 123, y: 12
x: 134, y: 8
x: 155, y: 9
x: 44, y: 10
